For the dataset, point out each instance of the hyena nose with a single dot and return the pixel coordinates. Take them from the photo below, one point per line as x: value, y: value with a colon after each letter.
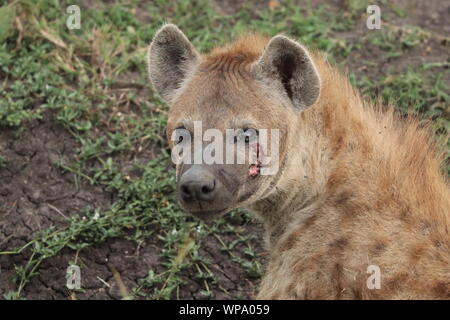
x: 197, y: 191
x: 197, y: 184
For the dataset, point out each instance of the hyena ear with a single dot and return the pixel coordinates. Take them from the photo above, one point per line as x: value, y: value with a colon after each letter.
x: 170, y: 57
x: 286, y: 65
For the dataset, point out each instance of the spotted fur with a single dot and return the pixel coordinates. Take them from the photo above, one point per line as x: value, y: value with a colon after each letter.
x: 357, y: 185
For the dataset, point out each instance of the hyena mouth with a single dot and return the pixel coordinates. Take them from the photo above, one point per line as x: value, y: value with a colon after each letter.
x: 255, y: 169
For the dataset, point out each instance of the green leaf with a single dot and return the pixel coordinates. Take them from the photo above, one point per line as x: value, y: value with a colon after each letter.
x: 7, y: 17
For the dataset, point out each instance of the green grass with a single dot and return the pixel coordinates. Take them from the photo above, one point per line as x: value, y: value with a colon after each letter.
x: 69, y: 76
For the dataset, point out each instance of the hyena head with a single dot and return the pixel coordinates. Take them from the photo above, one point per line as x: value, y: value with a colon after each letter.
x: 234, y: 93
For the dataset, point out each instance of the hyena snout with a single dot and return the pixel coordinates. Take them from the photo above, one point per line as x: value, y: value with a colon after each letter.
x: 197, y: 184
x: 202, y: 193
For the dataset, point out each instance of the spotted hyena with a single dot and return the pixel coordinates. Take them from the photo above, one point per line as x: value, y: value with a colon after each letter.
x: 358, y: 192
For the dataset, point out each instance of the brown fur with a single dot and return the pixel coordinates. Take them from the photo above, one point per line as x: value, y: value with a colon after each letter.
x: 360, y: 186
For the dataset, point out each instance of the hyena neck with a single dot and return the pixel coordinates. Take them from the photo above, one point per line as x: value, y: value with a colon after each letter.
x: 277, y: 218
x: 301, y: 184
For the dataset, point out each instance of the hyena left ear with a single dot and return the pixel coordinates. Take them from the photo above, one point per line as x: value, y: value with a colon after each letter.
x: 288, y: 66
x: 170, y: 57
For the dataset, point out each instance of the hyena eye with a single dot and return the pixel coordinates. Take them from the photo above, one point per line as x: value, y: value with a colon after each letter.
x: 247, y: 135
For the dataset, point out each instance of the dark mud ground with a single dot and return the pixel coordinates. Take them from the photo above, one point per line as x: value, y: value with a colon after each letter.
x: 35, y: 194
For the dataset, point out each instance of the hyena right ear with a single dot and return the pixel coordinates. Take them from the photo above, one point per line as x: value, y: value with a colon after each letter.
x: 287, y: 67
x: 170, y: 57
